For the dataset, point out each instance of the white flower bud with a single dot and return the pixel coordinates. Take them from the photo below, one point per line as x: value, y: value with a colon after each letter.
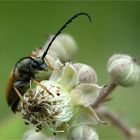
x: 64, y: 46
x: 68, y: 43
x: 123, y: 70
x: 32, y: 135
x: 83, y: 133
x: 86, y: 74
x: 51, y: 103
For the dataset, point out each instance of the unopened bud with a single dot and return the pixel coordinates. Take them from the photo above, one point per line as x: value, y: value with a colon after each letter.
x: 68, y: 43
x: 32, y: 135
x: 83, y: 133
x: 86, y: 74
x: 123, y: 70
x: 64, y: 46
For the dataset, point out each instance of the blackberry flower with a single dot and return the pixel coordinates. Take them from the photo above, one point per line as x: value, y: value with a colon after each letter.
x: 70, y: 91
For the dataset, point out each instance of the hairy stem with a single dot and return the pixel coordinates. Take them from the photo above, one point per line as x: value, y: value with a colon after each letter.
x: 104, y: 93
x: 116, y: 120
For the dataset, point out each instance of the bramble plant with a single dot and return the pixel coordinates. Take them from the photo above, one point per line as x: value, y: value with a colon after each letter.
x: 69, y: 111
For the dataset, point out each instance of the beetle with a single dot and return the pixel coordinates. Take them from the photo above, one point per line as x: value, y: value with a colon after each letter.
x: 25, y: 70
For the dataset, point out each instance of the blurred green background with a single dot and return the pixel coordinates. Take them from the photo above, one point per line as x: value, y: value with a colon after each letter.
x: 115, y: 29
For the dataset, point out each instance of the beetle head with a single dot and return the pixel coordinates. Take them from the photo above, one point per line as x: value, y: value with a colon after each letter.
x: 39, y: 64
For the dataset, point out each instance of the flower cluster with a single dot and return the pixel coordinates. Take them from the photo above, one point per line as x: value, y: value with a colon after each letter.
x: 68, y: 88
x: 65, y: 97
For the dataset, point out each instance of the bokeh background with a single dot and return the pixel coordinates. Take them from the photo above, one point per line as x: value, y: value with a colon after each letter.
x: 115, y: 29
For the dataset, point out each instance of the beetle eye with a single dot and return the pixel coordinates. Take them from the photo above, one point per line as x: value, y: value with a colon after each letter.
x: 39, y: 64
x: 34, y: 65
x: 44, y: 66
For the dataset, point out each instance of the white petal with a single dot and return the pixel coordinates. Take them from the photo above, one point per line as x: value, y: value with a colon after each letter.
x: 58, y: 65
x: 50, y: 60
x: 55, y: 76
x: 88, y: 92
x: 83, y: 116
x: 69, y: 77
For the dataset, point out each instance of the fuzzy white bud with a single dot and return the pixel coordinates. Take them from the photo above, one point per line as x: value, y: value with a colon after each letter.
x: 32, y: 135
x: 86, y: 74
x: 64, y: 46
x: 123, y: 70
x: 68, y: 43
x: 83, y: 133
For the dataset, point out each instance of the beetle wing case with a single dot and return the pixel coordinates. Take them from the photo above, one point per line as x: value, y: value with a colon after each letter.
x: 9, y: 87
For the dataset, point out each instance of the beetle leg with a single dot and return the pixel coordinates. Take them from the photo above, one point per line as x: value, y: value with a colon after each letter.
x: 42, y: 86
x: 18, y: 94
x: 21, y: 98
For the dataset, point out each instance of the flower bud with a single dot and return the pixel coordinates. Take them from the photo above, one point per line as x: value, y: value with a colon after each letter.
x: 123, y: 70
x: 83, y: 133
x: 68, y: 43
x: 64, y: 46
x: 32, y: 135
x: 86, y: 74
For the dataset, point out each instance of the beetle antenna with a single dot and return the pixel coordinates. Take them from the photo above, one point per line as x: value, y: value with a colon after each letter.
x: 62, y: 28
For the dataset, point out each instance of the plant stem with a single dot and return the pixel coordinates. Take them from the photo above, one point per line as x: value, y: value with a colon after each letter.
x: 104, y: 93
x: 116, y: 120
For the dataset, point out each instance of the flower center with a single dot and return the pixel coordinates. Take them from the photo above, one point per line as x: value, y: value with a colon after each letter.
x: 42, y: 109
